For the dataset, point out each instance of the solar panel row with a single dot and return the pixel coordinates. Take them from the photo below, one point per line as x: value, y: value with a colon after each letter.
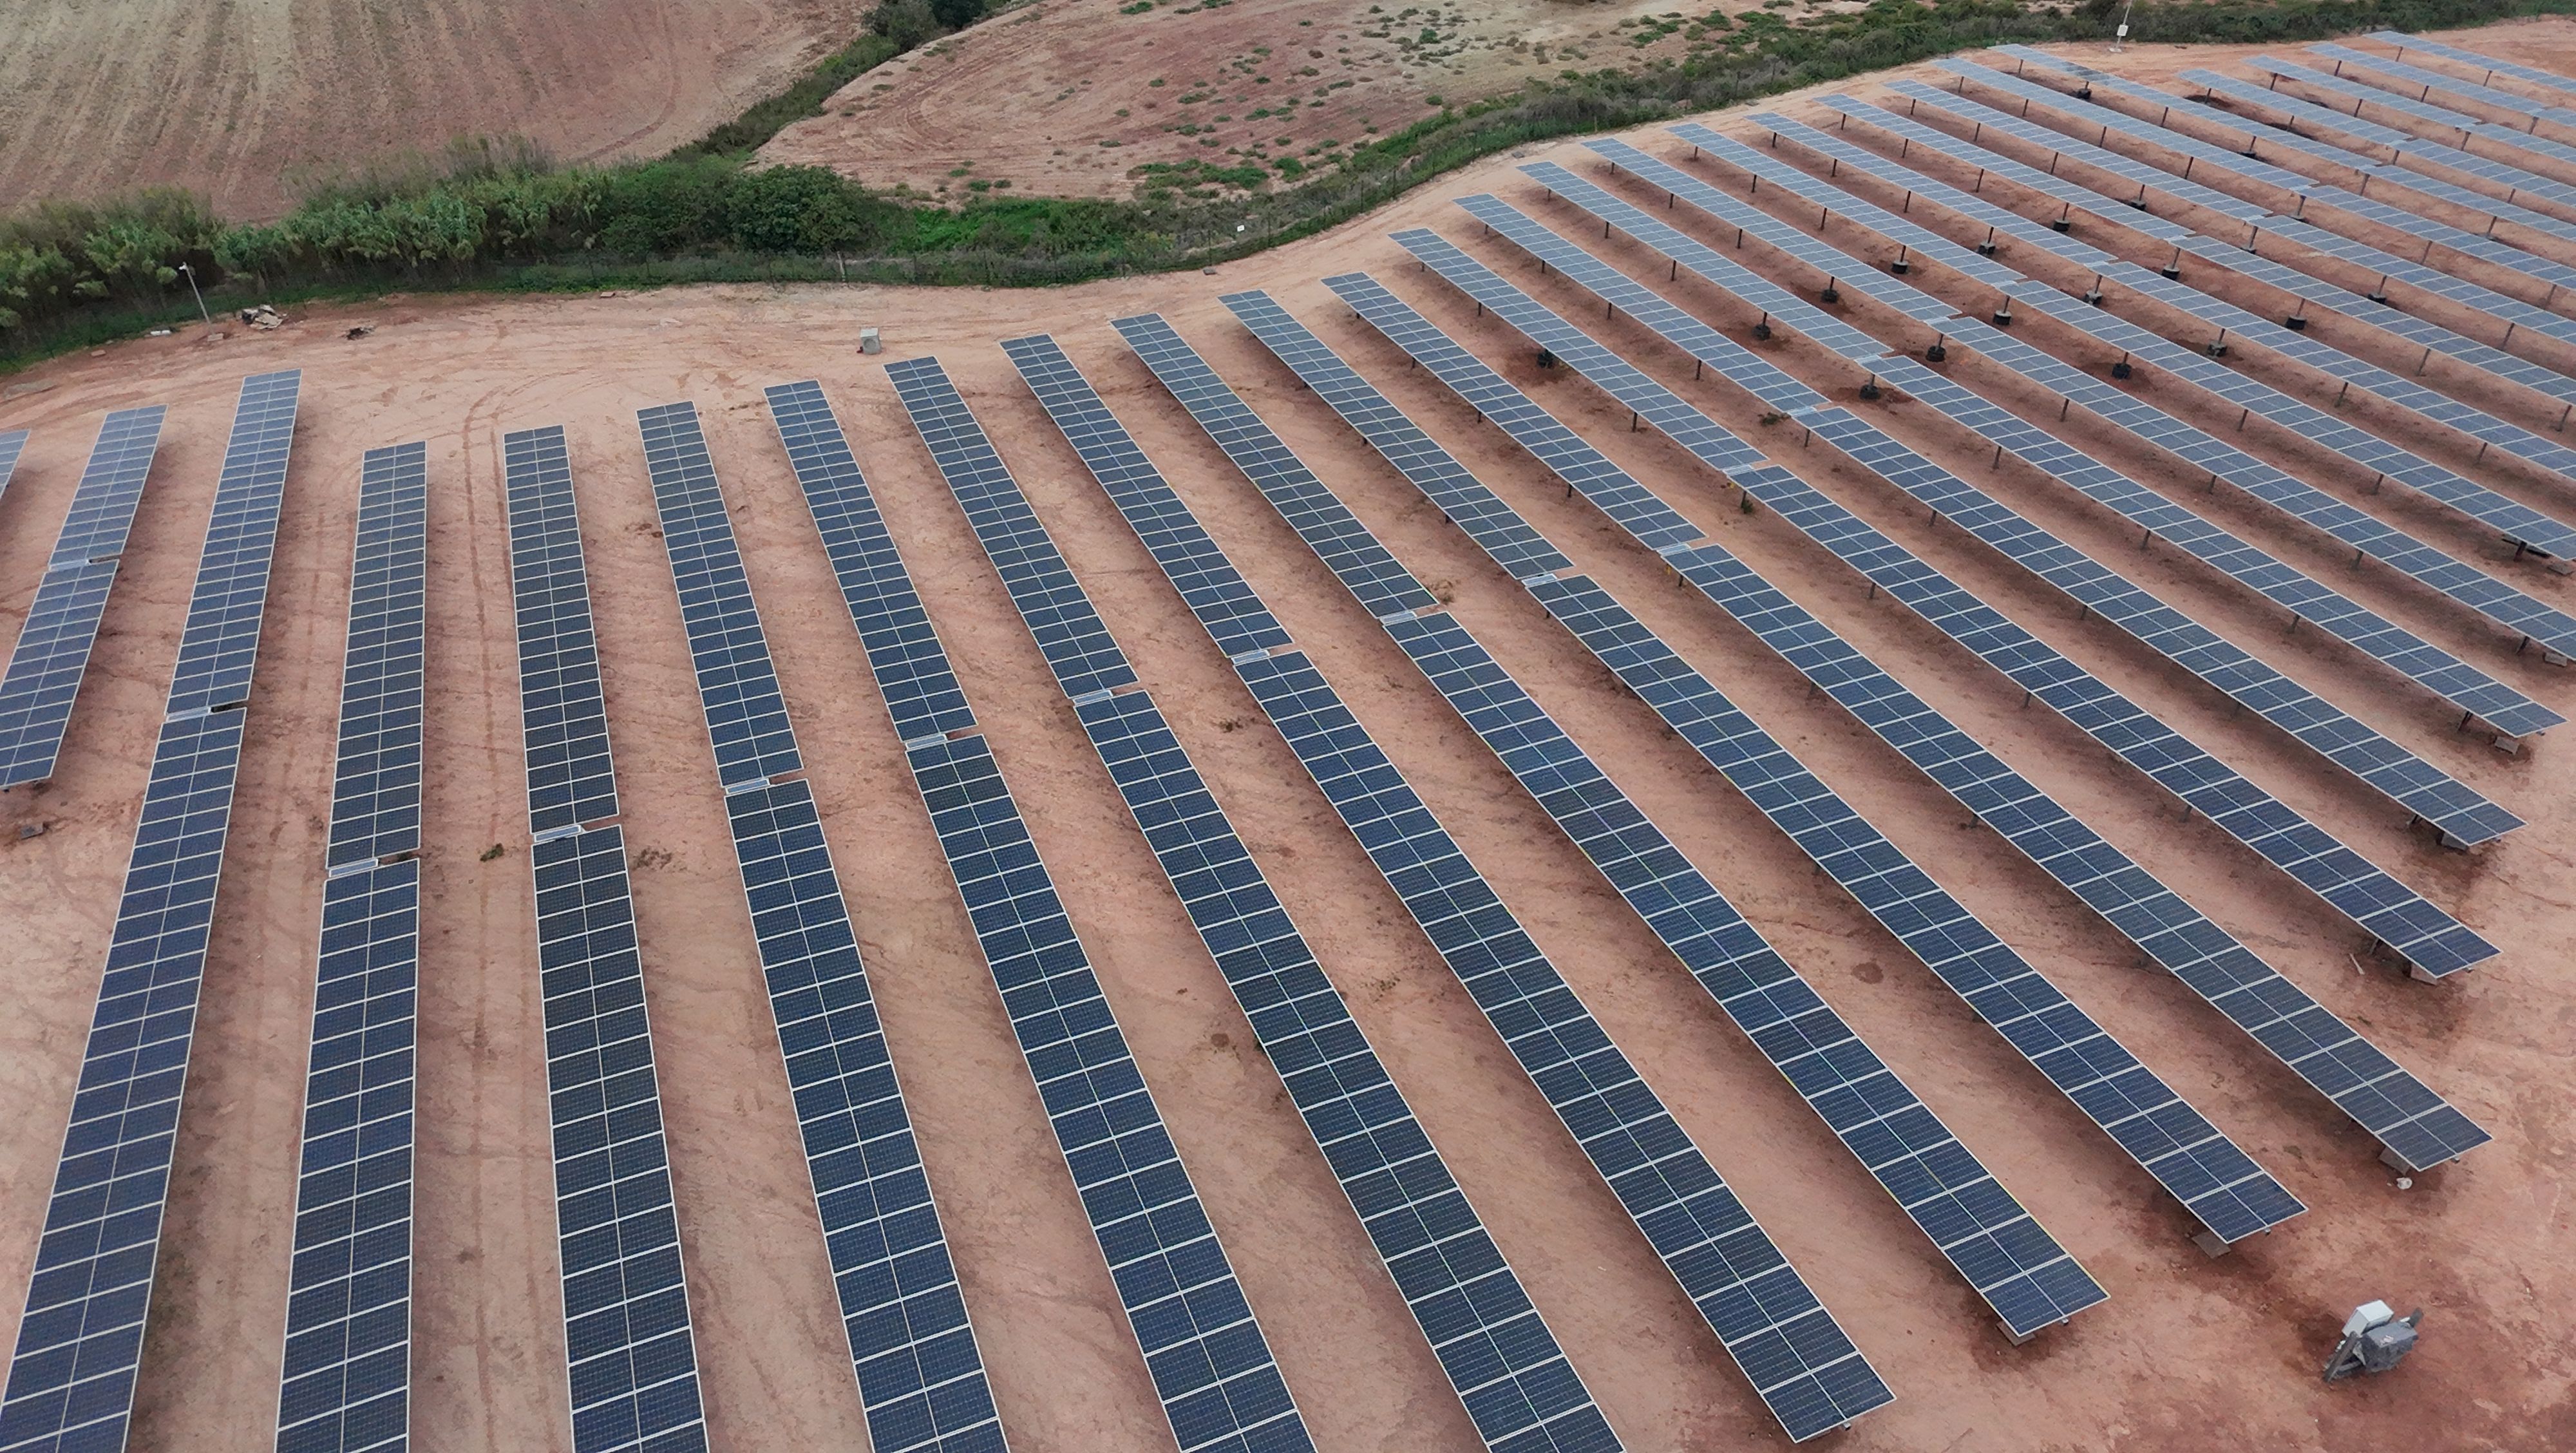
x: 2499, y: 212
x: 2257, y: 220
x: 631, y: 1355
x: 2224, y: 1188
x: 2200, y: 154
x: 2520, y: 525
x: 13, y: 442
x: 376, y: 777
x: 2427, y: 81
x: 2021, y: 1271
x: 2472, y: 423
x: 71, y: 1383
x: 1498, y: 1354
x: 346, y: 1381
x: 52, y: 653
x: 2406, y: 779
x: 2440, y: 122
x: 2473, y: 691
x: 920, y: 1373
x: 746, y: 715
x: 2409, y: 924
x: 1800, y: 1362
x: 2242, y: 260
x: 2491, y: 64
x: 2414, y: 1124
x: 571, y: 779
x: 221, y: 638
x: 2471, y: 587
x: 1219, y: 1385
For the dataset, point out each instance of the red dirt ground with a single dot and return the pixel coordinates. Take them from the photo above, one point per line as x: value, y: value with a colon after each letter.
x: 232, y: 100
x: 2190, y: 1354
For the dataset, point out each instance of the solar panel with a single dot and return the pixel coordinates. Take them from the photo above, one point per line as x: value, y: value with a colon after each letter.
x: 1077, y: 646
x: 631, y: 1355
x: 632, y: 1359
x: 1987, y: 1236
x: 2146, y: 178
x: 2200, y: 153
x: 920, y: 1373
x: 2425, y: 936
x: 52, y: 654
x: 2513, y: 312
x: 911, y: 668
x: 1496, y: 1351
x: 2257, y: 134
x: 1212, y: 1369
x: 2385, y: 269
x: 571, y: 780
x: 2218, y: 1183
x: 2518, y: 147
x: 2515, y: 181
x: 13, y: 442
x: 345, y: 1384
x: 2472, y: 587
x: 80, y: 1343
x: 2518, y: 524
x: 375, y: 793
x: 2428, y: 81
x: 2492, y: 66
x: 222, y: 634
x: 2488, y: 431
x: 2421, y: 789
x: 346, y: 1381
x: 2414, y: 1124
x: 2472, y: 690
x: 1799, y: 1360
x: 746, y: 716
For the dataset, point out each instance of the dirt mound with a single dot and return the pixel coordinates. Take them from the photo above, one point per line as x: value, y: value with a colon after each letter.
x: 1071, y: 97
x: 229, y: 100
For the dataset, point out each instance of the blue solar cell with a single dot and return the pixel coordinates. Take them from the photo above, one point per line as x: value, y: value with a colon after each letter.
x: 632, y: 1356
x: 1800, y: 1362
x: 920, y: 1372
x: 2231, y: 1195
x: 80, y: 1344
x: 1212, y: 1369
x: 2411, y: 1121
x: 52, y: 654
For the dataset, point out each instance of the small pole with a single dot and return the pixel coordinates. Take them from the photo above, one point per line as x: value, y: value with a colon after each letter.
x: 199, y: 296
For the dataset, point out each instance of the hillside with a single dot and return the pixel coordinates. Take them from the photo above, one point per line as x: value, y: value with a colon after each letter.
x: 1071, y: 97
x: 232, y: 100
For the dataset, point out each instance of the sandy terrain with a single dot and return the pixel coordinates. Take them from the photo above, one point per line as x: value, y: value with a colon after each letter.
x: 2190, y: 1353
x: 233, y: 101
x: 1069, y: 97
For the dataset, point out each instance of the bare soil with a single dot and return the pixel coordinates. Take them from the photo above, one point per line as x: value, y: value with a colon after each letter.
x: 235, y: 101
x: 2190, y: 1354
x: 1069, y: 97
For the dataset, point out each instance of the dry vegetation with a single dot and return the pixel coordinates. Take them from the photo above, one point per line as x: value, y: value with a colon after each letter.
x: 235, y: 100
x: 1093, y: 98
